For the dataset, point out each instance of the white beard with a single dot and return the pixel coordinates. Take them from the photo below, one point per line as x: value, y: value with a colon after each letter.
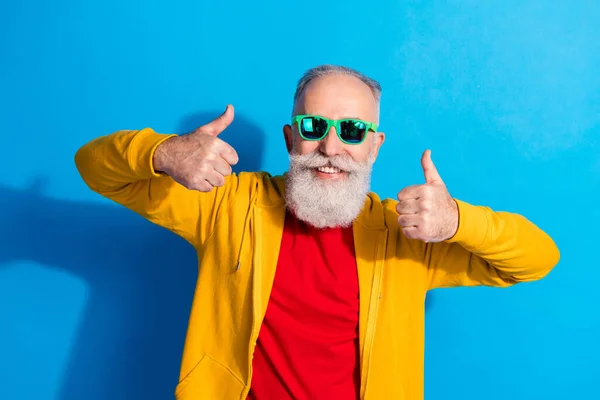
x: 327, y: 203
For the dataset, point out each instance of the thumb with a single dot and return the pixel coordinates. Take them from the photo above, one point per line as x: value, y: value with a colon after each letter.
x: 219, y: 124
x: 429, y: 170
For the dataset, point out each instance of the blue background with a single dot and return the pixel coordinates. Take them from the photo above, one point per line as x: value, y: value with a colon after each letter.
x: 94, y: 300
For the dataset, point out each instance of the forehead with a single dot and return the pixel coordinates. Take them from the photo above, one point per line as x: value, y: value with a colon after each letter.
x: 338, y: 96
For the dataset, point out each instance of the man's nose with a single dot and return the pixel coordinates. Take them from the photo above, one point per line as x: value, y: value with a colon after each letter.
x: 331, y: 145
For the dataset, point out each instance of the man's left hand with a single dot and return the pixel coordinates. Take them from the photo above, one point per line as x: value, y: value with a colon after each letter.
x: 427, y: 212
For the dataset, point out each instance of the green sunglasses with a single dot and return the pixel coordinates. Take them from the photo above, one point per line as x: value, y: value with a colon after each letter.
x: 349, y: 130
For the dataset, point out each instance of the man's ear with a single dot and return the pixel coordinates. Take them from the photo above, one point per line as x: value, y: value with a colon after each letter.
x: 379, y: 139
x: 288, y: 136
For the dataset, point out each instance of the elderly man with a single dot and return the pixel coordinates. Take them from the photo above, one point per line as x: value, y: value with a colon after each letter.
x: 309, y: 285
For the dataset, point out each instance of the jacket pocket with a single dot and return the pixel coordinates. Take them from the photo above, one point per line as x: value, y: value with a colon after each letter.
x: 209, y: 380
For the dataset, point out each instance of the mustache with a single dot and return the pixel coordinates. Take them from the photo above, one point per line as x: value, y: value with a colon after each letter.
x: 317, y: 159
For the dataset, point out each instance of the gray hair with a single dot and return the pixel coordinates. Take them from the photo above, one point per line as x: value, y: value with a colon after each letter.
x: 329, y: 69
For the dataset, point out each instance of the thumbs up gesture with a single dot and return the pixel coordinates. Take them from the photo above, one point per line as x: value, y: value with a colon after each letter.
x: 198, y: 160
x: 427, y: 212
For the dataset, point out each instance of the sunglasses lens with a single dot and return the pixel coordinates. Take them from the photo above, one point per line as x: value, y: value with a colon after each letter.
x: 353, y: 131
x: 313, y: 127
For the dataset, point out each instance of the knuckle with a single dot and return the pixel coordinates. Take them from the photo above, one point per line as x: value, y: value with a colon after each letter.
x: 204, y: 187
x: 210, y: 156
x: 426, y: 204
x: 219, y: 180
x: 214, y: 144
x: 410, y: 233
x: 203, y: 169
x: 198, y: 183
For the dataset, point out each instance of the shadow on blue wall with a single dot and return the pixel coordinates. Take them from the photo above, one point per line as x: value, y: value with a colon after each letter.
x: 130, y: 265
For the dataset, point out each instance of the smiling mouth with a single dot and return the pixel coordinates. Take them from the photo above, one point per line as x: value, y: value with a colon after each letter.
x: 329, y: 170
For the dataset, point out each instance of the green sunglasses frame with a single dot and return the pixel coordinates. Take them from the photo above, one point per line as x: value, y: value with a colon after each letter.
x: 333, y: 122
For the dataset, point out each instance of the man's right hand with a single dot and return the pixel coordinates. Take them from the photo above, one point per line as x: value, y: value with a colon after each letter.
x: 198, y: 160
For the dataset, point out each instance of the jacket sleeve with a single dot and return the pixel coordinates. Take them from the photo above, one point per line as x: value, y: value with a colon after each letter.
x: 119, y: 167
x: 492, y: 249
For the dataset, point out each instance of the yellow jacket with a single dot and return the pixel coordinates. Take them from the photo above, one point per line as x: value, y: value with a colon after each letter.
x: 236, y: 230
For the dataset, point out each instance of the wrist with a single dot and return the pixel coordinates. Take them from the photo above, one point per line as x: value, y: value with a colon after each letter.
x: 473, y: 225
x: 453, y: 225
x: 159, y: 157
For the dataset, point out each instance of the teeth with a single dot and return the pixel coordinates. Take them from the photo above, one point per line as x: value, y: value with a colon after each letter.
x: 329, y: 170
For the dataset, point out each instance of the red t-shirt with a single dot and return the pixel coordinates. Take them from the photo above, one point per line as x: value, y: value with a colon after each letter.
x: 308, y: 343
